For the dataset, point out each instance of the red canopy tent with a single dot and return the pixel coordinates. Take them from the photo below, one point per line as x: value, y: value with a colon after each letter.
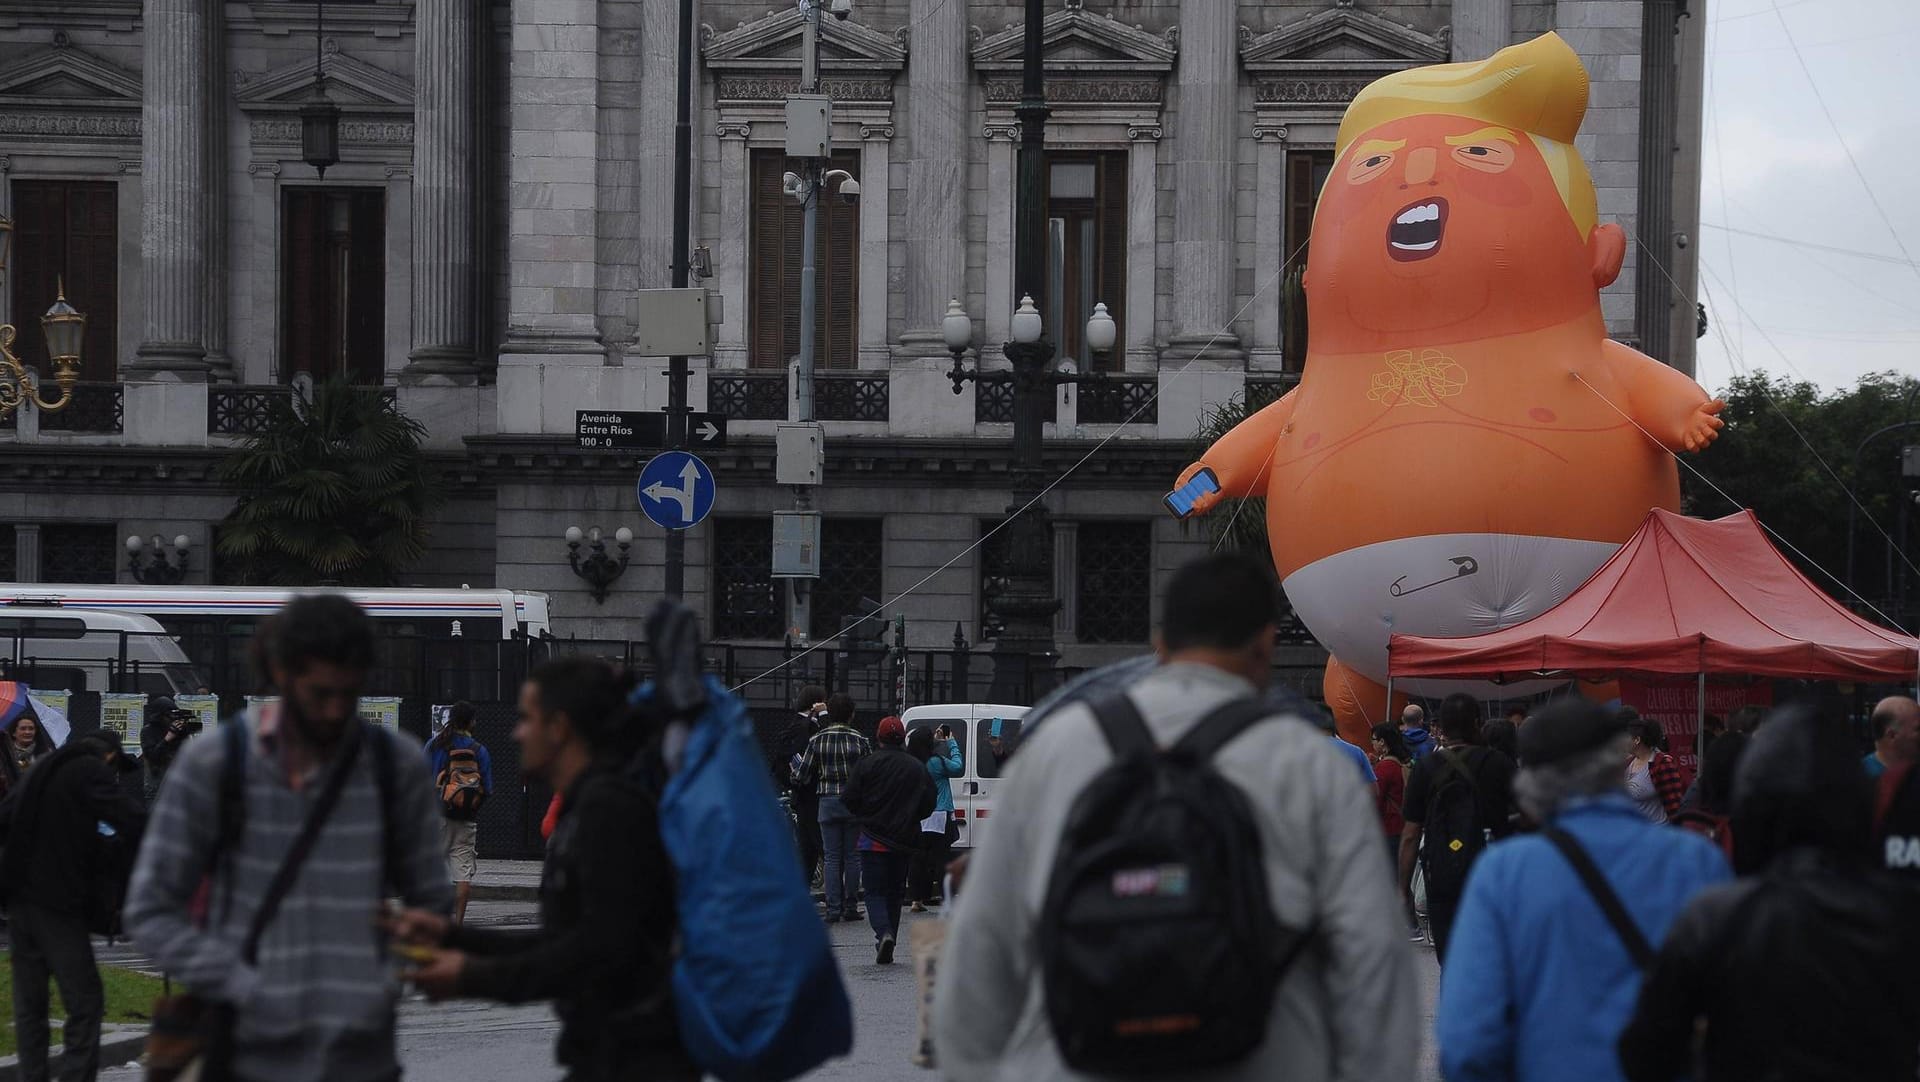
x: 1682, y: 596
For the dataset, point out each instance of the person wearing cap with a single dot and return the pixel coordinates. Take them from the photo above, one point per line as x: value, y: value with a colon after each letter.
x: 1805, y: 967
x: 888, y: 794
x: 163, y: 729
x: 48, y: 881
x: 1539, y: 981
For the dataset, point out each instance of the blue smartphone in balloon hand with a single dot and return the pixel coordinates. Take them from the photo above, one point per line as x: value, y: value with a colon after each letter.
x: 1180, y: 501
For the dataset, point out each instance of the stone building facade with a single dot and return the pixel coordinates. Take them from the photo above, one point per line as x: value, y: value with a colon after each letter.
x: 506, y: 185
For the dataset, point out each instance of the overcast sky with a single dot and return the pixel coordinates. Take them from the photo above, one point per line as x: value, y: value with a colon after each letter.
x: 1775, y: 165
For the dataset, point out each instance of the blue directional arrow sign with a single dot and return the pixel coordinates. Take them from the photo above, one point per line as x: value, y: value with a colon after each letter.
x: 676, y: 490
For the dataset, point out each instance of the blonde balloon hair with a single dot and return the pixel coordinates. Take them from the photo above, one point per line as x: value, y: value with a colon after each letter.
x: 1538, y: 87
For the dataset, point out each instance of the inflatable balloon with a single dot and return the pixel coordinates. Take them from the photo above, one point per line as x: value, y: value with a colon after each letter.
x: 1466, y: 445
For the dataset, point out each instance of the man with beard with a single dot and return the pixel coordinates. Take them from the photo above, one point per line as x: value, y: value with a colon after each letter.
x: 293, y: 955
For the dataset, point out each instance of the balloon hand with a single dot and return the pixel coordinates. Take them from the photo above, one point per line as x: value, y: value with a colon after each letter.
x: 1703, y: 426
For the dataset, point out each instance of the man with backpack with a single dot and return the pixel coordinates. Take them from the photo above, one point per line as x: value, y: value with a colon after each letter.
x: 1181, y: 882
x: 59, y: 881
x: 1556, y: 929
x: 272, y: 845
x: 826, y: 765
x: 463, y: 778
x: 1459, y: 797
x: 604, y: 949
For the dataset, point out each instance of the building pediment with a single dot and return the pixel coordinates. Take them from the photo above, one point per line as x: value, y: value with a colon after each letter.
x: 759, y: 61
x: 67, y: 75
x: 1340, y: 36
x: 354, y: 85
x: 1077, y: 42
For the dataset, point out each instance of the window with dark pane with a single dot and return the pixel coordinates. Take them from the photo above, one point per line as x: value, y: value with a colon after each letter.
x: 851, y: 567
x: 1114, y: 581
x: 992, y: 556
x: 9, y: 554
x: 66, y: 234
x: 334, y: 284
x: 773, y: 321
x: 747, y: 601
x: 80, y: 552
x: 1307, y: 172
x: 1086, y: 248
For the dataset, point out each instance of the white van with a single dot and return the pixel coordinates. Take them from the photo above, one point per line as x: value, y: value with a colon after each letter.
x: 977, y: 727
x: 90, y: 650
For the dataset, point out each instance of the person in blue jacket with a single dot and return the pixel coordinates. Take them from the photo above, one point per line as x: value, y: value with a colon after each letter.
x: 928, y: 868
x: 1539, y: 982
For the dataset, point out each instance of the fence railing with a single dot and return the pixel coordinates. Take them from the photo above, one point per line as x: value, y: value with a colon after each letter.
x: 96, y: 407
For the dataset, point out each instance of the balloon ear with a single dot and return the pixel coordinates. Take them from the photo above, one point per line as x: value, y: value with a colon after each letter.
x: 1608, y: 246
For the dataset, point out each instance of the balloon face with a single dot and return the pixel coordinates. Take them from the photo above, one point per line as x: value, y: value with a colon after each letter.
x: 1445, y: 227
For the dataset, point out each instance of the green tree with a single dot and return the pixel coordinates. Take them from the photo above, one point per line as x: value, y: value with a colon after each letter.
x: 334, y: 493
x: 1760, y: 462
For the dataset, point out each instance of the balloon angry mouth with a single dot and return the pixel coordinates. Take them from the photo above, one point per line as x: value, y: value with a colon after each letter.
x: 1416, y: 230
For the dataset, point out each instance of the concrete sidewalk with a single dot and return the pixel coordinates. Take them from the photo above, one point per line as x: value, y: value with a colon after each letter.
x: 118, y: 1044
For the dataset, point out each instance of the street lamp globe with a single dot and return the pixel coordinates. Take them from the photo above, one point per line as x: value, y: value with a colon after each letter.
x: 134, y: 544
x: 574, y: 534
x: 182, y: 542
x: 65, y: 329
x: 1100, y: 330
x: 623, y: 535
x: 1027, y: 325
x: 957, y: 327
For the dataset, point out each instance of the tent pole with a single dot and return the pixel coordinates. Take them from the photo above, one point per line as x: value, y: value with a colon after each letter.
x: 1700, y: 727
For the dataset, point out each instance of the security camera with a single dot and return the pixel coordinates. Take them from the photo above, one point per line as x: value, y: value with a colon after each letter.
x: 850, y: 191
x: 840, y: 9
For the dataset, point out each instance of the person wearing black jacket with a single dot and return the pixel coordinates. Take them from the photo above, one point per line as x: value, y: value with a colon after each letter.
x: 790, y: 743
x: 1805, y: 967
x: 162, y: 732
x: 603, y: 951
x: 889, y: 793
x: 51, y: 826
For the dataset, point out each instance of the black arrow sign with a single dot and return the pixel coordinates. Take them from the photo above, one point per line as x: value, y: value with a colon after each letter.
x: 638, y: 430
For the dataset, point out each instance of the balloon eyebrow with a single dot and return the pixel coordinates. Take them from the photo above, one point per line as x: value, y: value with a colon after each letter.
x: 1482, y: 136
x: 1376, y: 146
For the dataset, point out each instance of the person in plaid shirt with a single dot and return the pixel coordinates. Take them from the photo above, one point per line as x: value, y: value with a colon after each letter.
x: 828, y: 760
x: 1653, y: 776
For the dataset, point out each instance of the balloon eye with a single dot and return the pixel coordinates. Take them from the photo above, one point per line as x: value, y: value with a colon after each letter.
x: 1377, y: 159
x: 1479, y: 152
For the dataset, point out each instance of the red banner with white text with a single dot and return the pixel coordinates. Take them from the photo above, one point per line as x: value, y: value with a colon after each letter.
x: 1676, y: 705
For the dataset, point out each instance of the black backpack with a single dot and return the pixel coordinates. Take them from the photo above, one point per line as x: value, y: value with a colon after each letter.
x: 1455, y: 832
x: 1159, y: 947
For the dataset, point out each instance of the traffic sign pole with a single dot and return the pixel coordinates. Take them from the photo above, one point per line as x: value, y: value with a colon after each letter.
x: 676, y: 554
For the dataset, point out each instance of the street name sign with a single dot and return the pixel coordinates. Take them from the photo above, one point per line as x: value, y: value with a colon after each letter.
x: 638, y: 430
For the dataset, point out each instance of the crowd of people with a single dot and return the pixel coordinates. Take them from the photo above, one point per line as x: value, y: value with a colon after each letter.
x: 1185, y: 876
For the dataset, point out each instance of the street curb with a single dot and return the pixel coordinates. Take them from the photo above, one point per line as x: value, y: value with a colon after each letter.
x: 505, y: 892
x: 119, y: 1046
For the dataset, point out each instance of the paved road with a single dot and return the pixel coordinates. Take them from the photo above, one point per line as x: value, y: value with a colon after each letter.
x: 471, y: 1042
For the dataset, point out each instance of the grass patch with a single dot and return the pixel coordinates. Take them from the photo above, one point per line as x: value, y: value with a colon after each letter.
x: 130, y: 999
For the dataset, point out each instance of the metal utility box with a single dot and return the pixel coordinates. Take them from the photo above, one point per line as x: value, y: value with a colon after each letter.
x: 673, y: 322
x: 809, y: 126
x: 799, y: 453
x: 796, y: 544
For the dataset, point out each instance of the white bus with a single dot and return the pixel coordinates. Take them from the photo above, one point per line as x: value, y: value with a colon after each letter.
x: 448, y: 644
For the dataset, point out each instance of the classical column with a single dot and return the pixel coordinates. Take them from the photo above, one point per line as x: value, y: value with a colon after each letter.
x: 936, y: 159
x: 1143, y: 246
x: 554, y: 95
x: 1481, y: 28
x: 730, y: 247
x: 173, y: 175
x: 443, y: 193
x: 1001, y: 138
x: 875, y: 158
x: 1203, y: 155
x: 220, y: 365
x: 1271, y: 246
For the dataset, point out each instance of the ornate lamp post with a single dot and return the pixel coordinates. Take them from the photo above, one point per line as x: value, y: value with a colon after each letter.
x: 598, y: 568
x: 65, y: 330
x: 160, y: 567
x: 1020, y: 602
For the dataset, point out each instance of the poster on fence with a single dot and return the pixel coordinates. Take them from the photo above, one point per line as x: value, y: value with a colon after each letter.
x: 122, y: 714
x: 1676, y: 705
x: 204, y: 708
x: 381, y: 710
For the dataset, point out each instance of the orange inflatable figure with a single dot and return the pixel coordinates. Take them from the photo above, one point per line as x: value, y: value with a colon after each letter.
x: 1466, y: 445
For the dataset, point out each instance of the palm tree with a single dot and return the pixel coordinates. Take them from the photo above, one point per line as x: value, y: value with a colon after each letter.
x: 334, y: 492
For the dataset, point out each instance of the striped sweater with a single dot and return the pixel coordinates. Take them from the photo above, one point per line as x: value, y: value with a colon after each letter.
x: 320, y: 1002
